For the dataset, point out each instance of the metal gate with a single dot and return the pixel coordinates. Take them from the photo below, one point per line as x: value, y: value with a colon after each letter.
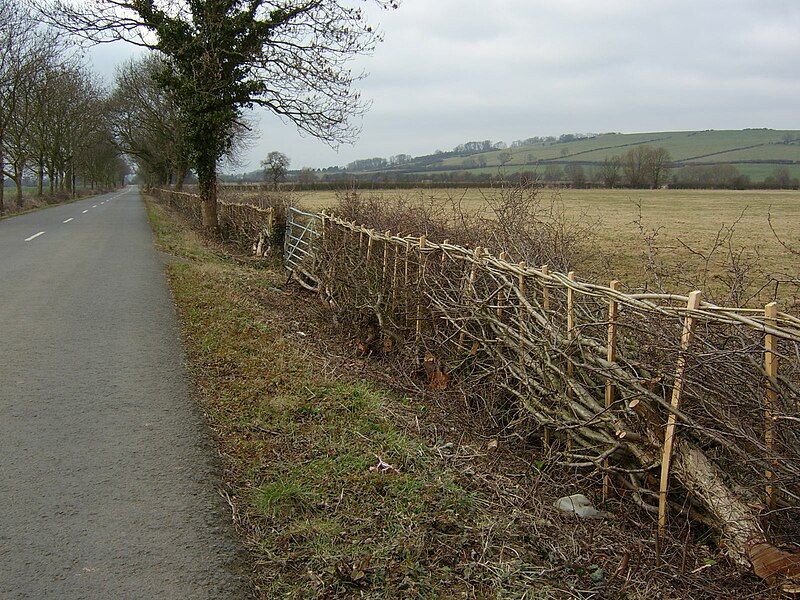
x: 298, y: 246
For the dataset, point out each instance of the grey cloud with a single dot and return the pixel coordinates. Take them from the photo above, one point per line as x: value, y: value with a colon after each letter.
x: 452, y: 70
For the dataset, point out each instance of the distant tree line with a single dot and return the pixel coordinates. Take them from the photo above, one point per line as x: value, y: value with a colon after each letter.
x: 480, y: 146
x: 710, y: 177
x: 727, y: 176
x: 642, y: 167
x: 55, y: 133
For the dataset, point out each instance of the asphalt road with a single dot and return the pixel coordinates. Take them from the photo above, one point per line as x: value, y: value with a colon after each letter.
x: 108, y: 480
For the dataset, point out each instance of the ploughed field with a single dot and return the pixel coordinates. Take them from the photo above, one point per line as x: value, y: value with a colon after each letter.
x: 673, y: 231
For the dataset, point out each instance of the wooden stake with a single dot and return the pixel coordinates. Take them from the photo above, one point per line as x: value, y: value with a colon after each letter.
x: 546, y: 307
x: 394, y: 272
x: 370, y: 238
x: 545, y: 291
x: 570, y: 307
x: 521, y: 320
x: 385, y: 256
x: 503, y: 256
x: 468, y: 292
x: 611, y: 356
x: 408, y: 252
x: 570, y: 327
x: 669, y: 435
x: 422, y: 243
x: 570, y: 337
x: 771, y: 400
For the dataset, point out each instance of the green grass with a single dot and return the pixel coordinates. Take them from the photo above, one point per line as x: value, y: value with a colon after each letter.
x: 335, y: 497
x: 759, y: 172
x: 553, y: 150
x: 174, y: 237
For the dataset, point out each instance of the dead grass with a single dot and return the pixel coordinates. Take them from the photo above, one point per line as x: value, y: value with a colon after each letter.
x: 679, y: 222
x: 347, y: 480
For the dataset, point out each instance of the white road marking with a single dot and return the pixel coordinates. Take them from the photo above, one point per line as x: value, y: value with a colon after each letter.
x: 34, y: 236
x: 87, y: 210
x: 68, y: 220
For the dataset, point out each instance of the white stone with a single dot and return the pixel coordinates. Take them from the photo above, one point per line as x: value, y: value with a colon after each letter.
x: 579, y: 505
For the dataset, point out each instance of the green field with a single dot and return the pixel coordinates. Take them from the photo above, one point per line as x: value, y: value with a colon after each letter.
x: 682, y: 146
x: 779, y: 148
x: 691, y: 217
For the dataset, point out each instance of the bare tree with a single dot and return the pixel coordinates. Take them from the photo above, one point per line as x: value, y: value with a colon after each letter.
x: 52, y: 116
x: 575, y: 174
x: 17, y: 36
x: 307, y: 176
x: 659, y: 162
x: 275, y: 167
x: 79, y: 119
x: 781, y: 179
x: 634, y: 165
x: 289, y: 56
x: 645, y: 166
x: 146, y: 123
x: 504, y: 158
x: 40, y: 51
x: 611, y: 171
x: 553, y: 173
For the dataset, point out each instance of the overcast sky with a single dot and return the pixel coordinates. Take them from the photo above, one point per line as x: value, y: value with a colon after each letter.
x: 456, y: 70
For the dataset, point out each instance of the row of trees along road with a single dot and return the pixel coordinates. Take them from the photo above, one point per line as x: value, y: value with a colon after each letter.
x: 221, y: 57
x: 53, y: 124
x: 146, y: 123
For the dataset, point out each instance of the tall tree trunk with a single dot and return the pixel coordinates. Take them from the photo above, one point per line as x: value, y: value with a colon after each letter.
x: 183, y: 169
x: 18, y: 183
x: 207, y: 176
x: 40, y: 178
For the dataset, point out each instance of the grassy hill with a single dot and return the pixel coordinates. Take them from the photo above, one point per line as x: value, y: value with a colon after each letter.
x: 755, y: 152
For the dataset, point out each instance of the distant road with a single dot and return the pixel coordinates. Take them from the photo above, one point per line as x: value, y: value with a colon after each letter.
x: 107, y: 476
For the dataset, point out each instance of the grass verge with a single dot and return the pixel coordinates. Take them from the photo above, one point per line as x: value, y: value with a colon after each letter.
x: 333, y: 498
